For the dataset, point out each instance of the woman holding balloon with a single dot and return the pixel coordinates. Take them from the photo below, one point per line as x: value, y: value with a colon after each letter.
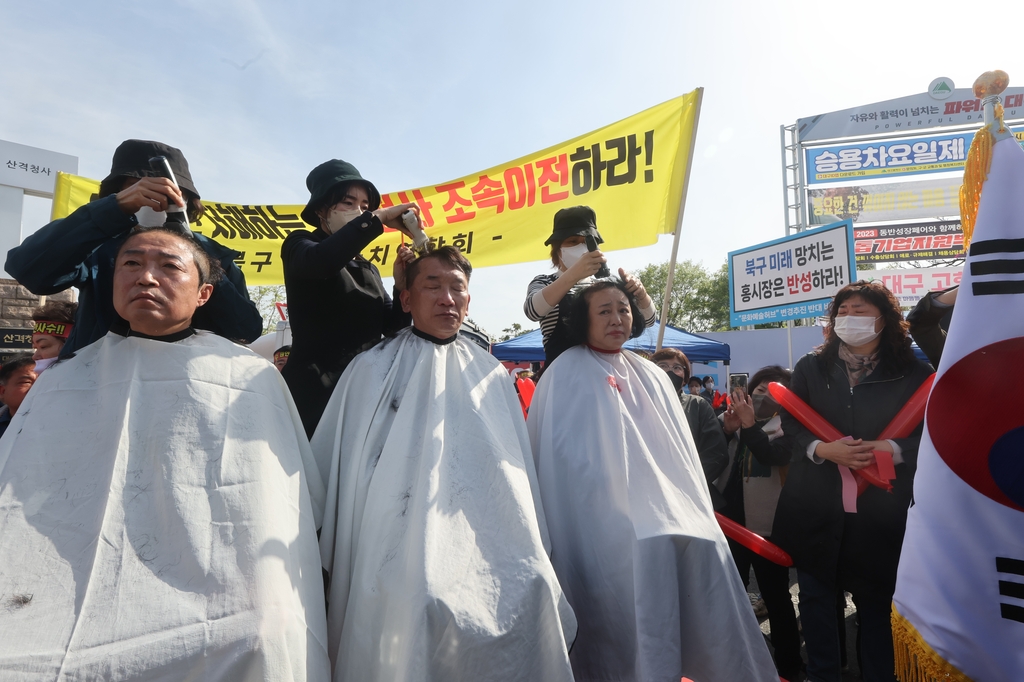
x: 858, y: 380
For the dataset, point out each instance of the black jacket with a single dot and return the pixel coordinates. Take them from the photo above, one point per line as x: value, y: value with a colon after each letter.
x: 928, y: 325
x: 79, y: 251
x: 337, y: 307
x: 710, y: 441
x: 861, y: 550
x: 766, y: 453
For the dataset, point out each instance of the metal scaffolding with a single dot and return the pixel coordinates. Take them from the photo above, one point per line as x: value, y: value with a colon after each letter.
x: 792, y: 180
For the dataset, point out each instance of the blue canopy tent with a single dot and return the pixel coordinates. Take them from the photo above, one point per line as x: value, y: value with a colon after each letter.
x: 530, y: 348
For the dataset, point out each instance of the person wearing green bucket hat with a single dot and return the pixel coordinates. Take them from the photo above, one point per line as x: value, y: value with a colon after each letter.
x: 337, y: 304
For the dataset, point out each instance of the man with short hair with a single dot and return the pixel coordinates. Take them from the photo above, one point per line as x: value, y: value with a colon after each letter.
x: 16, y: 376
x: 78, y: 251
x: 158, y: 499
x: 435, y: 542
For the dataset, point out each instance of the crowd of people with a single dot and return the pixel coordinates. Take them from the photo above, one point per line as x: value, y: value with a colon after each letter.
x: 374, y: 506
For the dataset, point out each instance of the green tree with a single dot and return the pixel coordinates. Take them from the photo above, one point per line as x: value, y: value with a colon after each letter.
x: 512, y: 332
x: 265, y: 298
x: 700, y: 299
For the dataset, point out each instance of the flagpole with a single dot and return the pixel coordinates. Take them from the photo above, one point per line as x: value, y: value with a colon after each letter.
x: 679, y: 226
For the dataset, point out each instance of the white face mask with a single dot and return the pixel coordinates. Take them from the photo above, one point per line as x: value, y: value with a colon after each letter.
x: 147, y: 217
x: 855, y: 330
x: 710, y: 385
x: 571, y: 254
x: 43, y: 364
x: 339, y: 218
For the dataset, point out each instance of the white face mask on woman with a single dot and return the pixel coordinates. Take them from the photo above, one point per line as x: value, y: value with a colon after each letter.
x: 571, y: 254
x: 856, y: 330
x: 339, y: 218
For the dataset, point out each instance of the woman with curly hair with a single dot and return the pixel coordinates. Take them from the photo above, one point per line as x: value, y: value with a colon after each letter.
x: 857, y: 380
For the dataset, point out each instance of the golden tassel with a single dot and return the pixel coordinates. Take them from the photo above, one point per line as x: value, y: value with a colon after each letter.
x: 979, y: 161
x: 915, y: 660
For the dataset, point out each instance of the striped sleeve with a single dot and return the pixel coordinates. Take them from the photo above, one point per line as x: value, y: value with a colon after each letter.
x: 650, y: 314
x: 536, y: 285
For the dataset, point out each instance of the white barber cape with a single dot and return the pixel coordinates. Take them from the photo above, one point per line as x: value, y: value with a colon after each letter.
x: 432, y: 534
x: 156, y: 521
x: 634, y: 539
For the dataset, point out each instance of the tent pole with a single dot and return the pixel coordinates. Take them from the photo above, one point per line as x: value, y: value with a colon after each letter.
x: 789, y: 341
x: 679, y: 226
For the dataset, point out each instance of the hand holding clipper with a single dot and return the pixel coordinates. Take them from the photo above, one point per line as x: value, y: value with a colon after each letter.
x: 420, y: 242
x: 603, y: 271
x: 175, y: 212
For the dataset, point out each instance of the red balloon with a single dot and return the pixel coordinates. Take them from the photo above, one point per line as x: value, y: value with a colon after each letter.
x: 911, y: 414
x: 754, y: 542
x: 525, y: 389
x: 804, y: 413
x: 905, y: 421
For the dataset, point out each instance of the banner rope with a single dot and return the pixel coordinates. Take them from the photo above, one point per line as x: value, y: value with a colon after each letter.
x: 916, y: 661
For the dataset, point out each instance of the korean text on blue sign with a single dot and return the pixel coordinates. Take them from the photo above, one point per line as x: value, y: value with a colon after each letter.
x: 790, y: 278
x: 936, y: 154
x: 909, y: 156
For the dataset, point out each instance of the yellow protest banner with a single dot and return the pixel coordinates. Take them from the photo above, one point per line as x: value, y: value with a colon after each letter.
x: 631, y: 173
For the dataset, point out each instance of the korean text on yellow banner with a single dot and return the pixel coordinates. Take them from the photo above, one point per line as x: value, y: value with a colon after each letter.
x: 631, y: 173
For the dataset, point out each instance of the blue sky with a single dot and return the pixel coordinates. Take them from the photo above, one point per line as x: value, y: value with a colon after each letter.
x: 257, y: 93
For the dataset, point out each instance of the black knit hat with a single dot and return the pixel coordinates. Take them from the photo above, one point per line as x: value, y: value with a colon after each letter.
x: 324, y: 178
x: 131, y: 160
x: 572, y: 221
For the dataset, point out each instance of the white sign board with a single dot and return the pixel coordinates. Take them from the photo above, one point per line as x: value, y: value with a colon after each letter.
x: 790, y: 278
x: 32, y: 169
x: 909, y: 285
x: 906, y: 114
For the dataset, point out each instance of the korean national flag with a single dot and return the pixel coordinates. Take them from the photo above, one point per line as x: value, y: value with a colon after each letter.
x: 958, y: 611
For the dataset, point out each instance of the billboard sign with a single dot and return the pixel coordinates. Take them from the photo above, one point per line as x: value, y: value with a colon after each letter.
x: 907, y: 114
x: 905, y: 156
x: 790, y: 278
x: 32, y: 169
x: 912, y: 241
x: 914, y: 200
x: 909, y: 285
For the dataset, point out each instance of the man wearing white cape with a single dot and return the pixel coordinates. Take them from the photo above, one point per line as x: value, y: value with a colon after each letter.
x: 158, y: 502
x: 634, y: 538
x: 434, y: 541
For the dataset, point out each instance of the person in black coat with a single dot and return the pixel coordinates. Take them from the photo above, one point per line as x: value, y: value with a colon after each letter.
x: 929, y: 321
x: 857, y: 380
x: 760, y: 451
x: 79, y: 250
x: 700, y: 417
x: 337, y: 304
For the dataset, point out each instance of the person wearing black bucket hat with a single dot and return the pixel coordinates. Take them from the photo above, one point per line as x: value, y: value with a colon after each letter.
x: 337, y: 304
x: 79, y: 250
x: 576, y: 268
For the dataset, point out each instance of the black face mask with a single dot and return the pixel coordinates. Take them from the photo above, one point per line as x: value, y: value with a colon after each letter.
x: 765, y: 406
x: 676, y: 380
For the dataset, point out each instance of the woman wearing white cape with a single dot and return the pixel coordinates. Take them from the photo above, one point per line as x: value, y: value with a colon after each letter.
x: 634, y: 539
x: 432, y: 536
x: 158, y: 501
